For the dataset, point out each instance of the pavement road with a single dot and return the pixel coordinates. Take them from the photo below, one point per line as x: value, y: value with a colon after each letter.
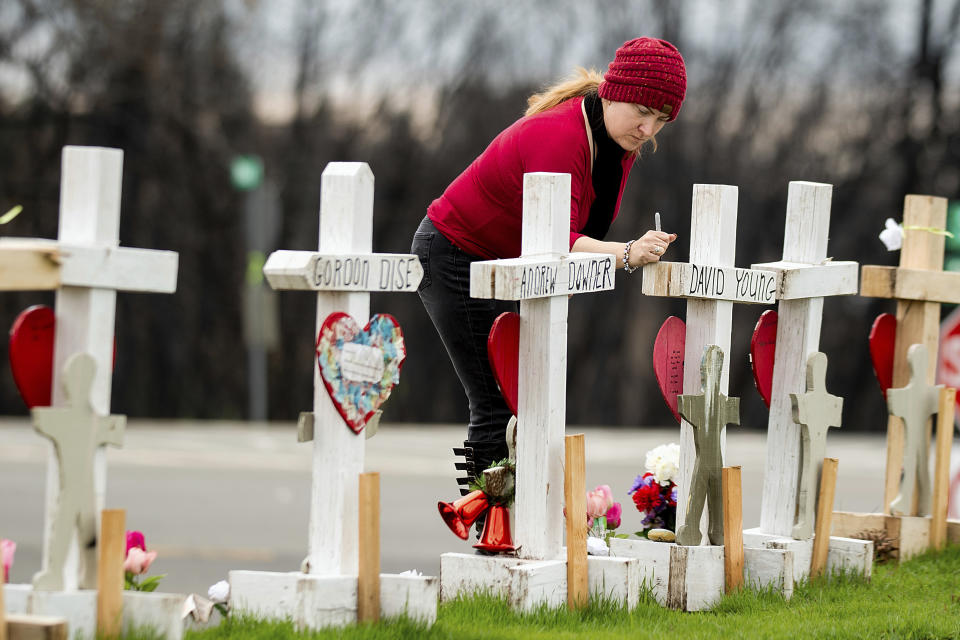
x: 216, y: 496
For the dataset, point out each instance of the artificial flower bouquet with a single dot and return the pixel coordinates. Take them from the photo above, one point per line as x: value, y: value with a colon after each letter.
x: 655, y: 491
x: 137, y: 563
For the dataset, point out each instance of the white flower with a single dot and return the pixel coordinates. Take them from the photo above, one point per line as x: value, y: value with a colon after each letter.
x: 664, y: 462
x: 219, y: 592
x: 597, y: 546
x: 892, y: 235
x: 411, y: 572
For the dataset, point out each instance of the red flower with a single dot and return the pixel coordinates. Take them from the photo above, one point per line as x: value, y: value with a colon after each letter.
x: 647, y: 498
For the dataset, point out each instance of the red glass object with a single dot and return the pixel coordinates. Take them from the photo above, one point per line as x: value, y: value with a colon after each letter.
x: 496, y: 531
x: 763, y: 347
x: 668, y: 351
x: 883, y: 341
x: 503, y: 349
x: 461, y: 514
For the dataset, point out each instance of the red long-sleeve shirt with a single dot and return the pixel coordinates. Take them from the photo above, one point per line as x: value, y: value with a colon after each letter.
x: 481, y: 210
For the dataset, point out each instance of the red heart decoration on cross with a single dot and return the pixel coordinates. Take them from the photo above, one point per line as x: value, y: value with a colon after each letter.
x: 763, y: 348
x: 503, y: 349
x: 883, y: 339
x: 359, y: 367
x: 668, y: 354
x: 31, y: 354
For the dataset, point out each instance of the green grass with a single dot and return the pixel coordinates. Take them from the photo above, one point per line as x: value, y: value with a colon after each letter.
x: 918, y: 599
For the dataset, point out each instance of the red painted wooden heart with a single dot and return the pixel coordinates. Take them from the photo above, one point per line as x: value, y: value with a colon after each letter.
x: 763, y: 347
x: 668, y: 353
x: 883, y: 338
x: 503, y: 349
x: 359, y: 368
x: 31, y: 354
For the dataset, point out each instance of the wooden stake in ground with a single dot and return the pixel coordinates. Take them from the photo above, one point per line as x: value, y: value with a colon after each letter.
x: 941, y: 473
x: 575, y: 494
x: 112, y: 545
x: 914, y: 403
x: 732, y: 529
x: 821, y: 542
x: 708, y: 413
x: 815, y: 411
x: 918, y: 285
x: 368, y: 585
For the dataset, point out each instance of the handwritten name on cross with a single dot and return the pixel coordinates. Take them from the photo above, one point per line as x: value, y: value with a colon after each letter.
x: 815, y: 411
x: 76, y: 433
x: 541, y: 278
x: 914, y: 404
x: 711, y: 285
x: 708, y: 413
x: 343, y: 271
x: 919, y: 285
x: 86, y: 266
x: 806, y: 277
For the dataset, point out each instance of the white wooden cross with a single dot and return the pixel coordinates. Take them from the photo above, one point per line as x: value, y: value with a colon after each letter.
x: 708, y: 413
x: 86, y: 266
x: 76, y: 432
x: 711, y: 285
x: 807, y: 275
x: 914, y: 403
x: 919, y: 285
x: 343, y: 271
x: 542, y: 278
x: 816, y: 411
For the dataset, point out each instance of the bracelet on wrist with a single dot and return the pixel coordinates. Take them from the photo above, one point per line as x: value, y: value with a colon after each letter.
x: 626, y: 257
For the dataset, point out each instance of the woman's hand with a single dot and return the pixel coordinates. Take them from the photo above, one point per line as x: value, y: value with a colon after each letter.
x: 650, y: 247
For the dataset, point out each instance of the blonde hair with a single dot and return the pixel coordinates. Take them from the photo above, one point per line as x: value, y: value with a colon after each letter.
x: 581, y: 82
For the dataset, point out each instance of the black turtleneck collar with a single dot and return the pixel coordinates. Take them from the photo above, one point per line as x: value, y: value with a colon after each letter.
x: 607, y: 173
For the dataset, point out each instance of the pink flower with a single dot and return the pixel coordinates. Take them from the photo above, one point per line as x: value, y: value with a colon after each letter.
x: 613, y: 516
x: 135, y: 539
x: 138, y: 561
x: 596, y: 504
x: 7, y: 549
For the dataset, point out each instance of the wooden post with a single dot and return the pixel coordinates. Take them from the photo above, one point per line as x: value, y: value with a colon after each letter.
x: 368, y: 585
x: 575, y: 493
x: 110, y: 580
x: 941, y: 473
x: 732, y: 528
x: 3, y: 609
x: 821, y: 541
x: 21, y: 627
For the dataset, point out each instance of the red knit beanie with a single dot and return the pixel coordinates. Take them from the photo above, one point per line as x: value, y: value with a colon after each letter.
x: 649, y: 72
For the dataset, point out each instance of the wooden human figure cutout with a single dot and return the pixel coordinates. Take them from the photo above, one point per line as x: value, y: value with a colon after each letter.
x: 708, y: 413
x: 914, y: 403
x: 815, y: 411
x: 76, y: 432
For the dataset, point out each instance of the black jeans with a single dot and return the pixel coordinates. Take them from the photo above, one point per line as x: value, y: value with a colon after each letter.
x: 463, y: 324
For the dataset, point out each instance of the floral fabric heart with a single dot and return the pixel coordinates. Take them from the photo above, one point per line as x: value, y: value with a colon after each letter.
x: 359, y: 368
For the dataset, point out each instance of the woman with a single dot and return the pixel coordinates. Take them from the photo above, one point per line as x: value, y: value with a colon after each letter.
x: 590, y: 127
